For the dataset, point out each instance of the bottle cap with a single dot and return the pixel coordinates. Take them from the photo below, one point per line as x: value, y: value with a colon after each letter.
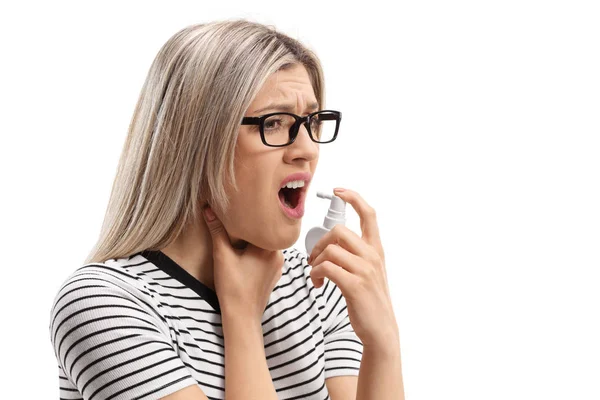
x: 337, y: 210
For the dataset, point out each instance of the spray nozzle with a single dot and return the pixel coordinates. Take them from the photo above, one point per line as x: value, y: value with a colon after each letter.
x: 337, y: 210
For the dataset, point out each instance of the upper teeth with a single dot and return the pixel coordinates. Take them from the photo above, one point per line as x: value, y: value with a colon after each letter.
x: 294, y: 184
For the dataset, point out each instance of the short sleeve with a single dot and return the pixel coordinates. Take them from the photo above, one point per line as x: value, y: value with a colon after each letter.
x: 343, y: 348
x: 111, y: 344
x: 68, y: 391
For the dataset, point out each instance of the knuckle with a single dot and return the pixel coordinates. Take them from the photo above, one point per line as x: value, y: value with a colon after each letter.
x: 216, y: 229
x: 329, y: 249
x: 371, y: 212
x: 365, y: 284
x: 337, y: 228
x: 374, y: 257
x: 371, y: 272
x: 354, y: 286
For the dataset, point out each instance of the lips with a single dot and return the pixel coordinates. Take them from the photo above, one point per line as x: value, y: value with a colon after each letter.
x: 297, y: 176
x: 298, y: 193
x: 295, y: 196
x: 298, y: 211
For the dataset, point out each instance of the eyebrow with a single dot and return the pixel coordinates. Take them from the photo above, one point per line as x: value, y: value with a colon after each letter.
x: 285, y: 107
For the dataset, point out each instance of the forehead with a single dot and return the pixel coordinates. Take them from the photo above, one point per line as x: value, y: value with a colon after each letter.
x: 287, y: 84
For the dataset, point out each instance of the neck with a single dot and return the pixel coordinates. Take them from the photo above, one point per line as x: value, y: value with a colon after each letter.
x: 193, y: 251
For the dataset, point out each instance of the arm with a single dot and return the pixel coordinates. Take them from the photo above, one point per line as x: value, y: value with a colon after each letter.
x: 246, y: 372
x: 109, y: 343
x: 192, y: 392
x: 343, y: 349
x: 380, y: 375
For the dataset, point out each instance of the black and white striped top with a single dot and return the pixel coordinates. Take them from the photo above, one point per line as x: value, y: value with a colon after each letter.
x: 142, y: 328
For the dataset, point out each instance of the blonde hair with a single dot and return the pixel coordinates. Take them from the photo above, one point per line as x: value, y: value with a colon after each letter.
x: 180, y: 144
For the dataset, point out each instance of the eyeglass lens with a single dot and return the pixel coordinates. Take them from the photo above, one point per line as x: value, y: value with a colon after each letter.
x: 277, y: 127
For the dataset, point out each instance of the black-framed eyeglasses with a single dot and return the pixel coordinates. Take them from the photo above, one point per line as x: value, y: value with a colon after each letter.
x: 280, y: 129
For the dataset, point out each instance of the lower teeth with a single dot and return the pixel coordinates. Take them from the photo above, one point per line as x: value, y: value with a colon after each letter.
x: 288, y: 204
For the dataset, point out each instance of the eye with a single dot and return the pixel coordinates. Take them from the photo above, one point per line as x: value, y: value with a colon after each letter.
x: 272, y: 123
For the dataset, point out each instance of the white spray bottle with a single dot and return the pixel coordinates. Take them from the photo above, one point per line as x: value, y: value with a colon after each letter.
x: 335, y: 215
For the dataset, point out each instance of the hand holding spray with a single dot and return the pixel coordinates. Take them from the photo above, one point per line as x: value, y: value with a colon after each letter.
x: 335, y: 215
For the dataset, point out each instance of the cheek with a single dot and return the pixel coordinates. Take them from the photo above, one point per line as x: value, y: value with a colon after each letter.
x: 253, y: 199
x: 256, y: 171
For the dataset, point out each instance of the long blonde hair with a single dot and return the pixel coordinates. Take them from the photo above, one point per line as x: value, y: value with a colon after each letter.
x: 184, y: 129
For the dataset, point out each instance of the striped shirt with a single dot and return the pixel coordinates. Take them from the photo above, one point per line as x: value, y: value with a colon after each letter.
x: 141, y: 327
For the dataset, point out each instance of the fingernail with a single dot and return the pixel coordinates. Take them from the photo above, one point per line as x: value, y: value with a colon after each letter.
x: 338, y: 190
x: 209, y: 214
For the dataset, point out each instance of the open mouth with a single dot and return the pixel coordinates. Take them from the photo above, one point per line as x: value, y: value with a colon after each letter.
x: 290, y: 197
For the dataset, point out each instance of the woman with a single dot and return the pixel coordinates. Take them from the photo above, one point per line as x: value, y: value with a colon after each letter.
x: 170, y: 302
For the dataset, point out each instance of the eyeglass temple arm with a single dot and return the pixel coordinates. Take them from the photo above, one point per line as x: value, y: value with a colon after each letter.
x: 251, y: 121
x: 329, y: 117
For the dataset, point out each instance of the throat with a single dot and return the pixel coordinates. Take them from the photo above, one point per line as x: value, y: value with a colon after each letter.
x: 289, y: 197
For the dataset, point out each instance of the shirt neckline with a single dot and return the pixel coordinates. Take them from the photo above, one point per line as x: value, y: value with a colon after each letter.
x: 174, y: 270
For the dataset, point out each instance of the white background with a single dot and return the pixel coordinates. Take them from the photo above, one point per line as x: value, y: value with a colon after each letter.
x: 472, y: 127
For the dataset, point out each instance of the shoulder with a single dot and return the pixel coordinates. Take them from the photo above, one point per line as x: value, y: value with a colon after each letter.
x: 296, y: 264
x: 128, y: 273
x: 294, y: 288
x: 104, y: 320
x: 294, y: 257
x: 93, y: 276
x: 296, y: 267
x: 101, y: 288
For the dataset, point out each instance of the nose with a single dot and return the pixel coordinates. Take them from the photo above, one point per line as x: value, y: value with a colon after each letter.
x: 304, y: 144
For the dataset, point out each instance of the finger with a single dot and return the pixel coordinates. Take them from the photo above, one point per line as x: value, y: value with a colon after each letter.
x: 339, y: 255
x: 216, y: 229
x: 368, y: 219
x: 342, y: 278
x: 345, y: 238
